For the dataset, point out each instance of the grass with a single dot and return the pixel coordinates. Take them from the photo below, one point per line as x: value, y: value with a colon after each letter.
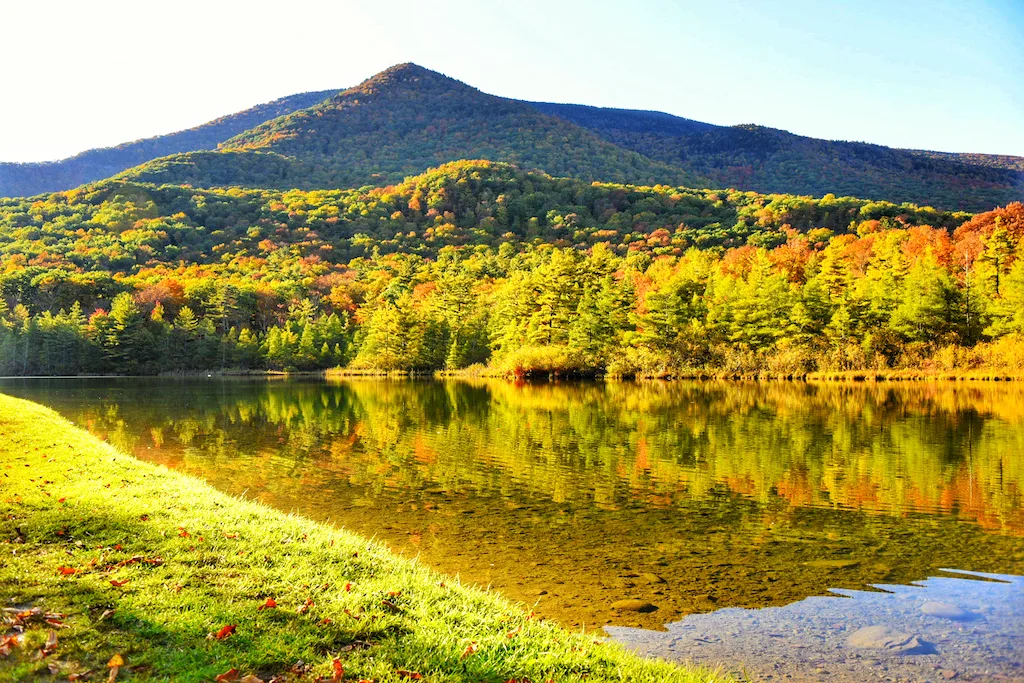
x: 133, y: 561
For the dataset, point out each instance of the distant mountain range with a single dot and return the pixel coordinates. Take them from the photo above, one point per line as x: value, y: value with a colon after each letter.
x: 409, y: 118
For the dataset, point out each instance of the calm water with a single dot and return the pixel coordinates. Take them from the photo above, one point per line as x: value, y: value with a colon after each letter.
x: 690, y: 496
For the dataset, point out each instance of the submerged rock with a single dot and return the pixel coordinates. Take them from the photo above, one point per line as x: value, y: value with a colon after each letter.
x: 633, y: 606
x: 832, y: 564
x: 884, y: 638
x: 945, y: 610
x: 650, y: 578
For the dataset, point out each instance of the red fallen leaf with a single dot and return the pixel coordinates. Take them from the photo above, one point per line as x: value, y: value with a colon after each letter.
x: 391, y: 606
x: 348, y: 587
x: 225, y: 631
x: 306, y: 605
x: 325, y: 621
x: 412, y: 675
x: 118, y: 547
x: 67, y: 571
x: 183, y: 532
x: 231, y: 536
x: 118, y: 584
x: 61, y: 500
x: 354, y: 616
x: 143, y: 518
x: 339, y: 670
x: 229, y: 675
x: 513, y: 634
x: 395, y: 594
x: 470, y: 649
x: 269, y: 604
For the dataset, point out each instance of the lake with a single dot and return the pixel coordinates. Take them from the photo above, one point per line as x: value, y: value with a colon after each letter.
x: 627, y: 505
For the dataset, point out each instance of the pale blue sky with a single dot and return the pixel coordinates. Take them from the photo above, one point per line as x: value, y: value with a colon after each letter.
x: 942, y: 74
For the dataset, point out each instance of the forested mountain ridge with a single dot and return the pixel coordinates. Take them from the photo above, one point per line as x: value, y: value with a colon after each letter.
x: 408, y: 118
x: 761, y: 159
x: 28, y: 179
x: 482, y: 262
x: 401, y: 122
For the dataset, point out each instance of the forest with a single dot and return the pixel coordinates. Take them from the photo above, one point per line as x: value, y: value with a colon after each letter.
x: 479, y: 264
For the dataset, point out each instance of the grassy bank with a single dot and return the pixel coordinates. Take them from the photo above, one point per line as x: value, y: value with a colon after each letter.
x: 109, y: 559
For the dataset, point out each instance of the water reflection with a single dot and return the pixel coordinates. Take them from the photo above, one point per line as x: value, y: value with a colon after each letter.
x: 686, y: 496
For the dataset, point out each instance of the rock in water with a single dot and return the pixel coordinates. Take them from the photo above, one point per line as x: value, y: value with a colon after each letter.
x: 633, y: 606
x: 884, y: 638
x: 650, y: 578
x: 832, y: 564
x: 945, y: 610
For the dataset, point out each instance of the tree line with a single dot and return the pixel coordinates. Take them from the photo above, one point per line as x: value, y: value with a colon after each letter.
x: 477, y: 263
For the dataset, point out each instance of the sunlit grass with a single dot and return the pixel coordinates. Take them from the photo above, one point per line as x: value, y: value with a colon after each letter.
x: 151, y: 565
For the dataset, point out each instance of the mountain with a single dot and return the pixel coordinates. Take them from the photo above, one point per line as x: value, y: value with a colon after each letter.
x: 401, y: 122
x: 34, y: 178
x: 408, y: 118
x: 761, y: 159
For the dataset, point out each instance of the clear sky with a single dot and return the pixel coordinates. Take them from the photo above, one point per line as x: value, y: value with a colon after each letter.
x: 933, y: 74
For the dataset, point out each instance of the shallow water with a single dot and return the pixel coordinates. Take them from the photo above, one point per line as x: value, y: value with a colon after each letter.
x: 691, y: 497
x: 942, y: 628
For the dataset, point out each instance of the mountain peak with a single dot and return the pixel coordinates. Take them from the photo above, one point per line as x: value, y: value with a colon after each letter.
x: 401, y: 76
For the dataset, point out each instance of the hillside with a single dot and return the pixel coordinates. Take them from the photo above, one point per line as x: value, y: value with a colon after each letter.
x: 479, y: 261
x: 23, y: 180
x: 764, y: 159
x: 403, y: 121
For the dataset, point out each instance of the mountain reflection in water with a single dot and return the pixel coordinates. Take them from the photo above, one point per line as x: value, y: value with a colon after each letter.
x: 677, y: 497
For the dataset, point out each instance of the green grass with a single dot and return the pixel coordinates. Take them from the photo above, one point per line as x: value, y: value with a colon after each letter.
x: 195, y: 560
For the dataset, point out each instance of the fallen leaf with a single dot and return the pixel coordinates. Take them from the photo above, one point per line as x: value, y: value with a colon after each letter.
x: 412, y: 675
x: 230, y: 535
x: 183, y: 532
x: 339, y: 670
x: 269, y: 604
x: 470, y: 649
x: 107, y: 613
x: 115, y: 664
x: 391, y: 606
x: 225, y: 631
x: 117, y: 584
x: 51, y: 644
x: 250, y: 679
x: 395, y: 594
x: 67, y: 571
x: 354, y: 616
x: 325, y: 621
x: 306, y: 605
x: 8, y: 643
x: 513, y: 634
x: 348, y: 587
x: 229, y: 675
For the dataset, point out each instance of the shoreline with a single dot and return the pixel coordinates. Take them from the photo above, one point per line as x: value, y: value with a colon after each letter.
x: 844, y: 376
x: 126, y: 561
